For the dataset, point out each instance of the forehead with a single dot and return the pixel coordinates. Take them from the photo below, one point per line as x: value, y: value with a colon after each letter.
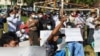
x: 13, y: 41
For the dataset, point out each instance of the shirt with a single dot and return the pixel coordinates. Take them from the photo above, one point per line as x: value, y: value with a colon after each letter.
x: 79, y: 22
x: 22, y: 36
x: 90, y: 23
x: 12, y: 24
x: 51, y: 48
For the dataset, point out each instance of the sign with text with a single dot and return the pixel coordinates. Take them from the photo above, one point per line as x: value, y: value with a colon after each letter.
x: 73, y: 34
x: 97, y: 40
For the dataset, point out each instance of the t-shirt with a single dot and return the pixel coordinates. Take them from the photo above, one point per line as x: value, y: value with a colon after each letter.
x: 90, y: 22
x: 51, y: 48
x: 12, y: 24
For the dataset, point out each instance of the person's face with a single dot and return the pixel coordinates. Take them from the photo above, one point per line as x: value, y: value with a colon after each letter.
x: 12, y: 43
x: 55, y: 38
x: 94, y: 15
x: 40, y: 15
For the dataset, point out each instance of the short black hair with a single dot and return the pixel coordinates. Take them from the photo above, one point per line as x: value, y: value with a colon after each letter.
x: 93, y: 13
x: 7, y: 37
x: 60, y: 34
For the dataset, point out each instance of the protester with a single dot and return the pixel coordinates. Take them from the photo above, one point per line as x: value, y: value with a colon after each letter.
x: 32, y: 23
x: 91, y: 26
x: 47, y: 19
x: 51, y: 43
x: 80, y: 23
x: 71, y: 19
x: 9, y: 39
x: 75, y: 48
x: 13, y: 21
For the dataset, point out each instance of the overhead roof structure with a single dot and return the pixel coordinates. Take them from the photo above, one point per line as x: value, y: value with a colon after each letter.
x: 53, y: 6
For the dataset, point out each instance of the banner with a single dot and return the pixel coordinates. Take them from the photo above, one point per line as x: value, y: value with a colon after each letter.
x: 97, y: 40
x: 24, y: 43
x: 23, y: 51
x: 44, y: 34
x: 73, y: 34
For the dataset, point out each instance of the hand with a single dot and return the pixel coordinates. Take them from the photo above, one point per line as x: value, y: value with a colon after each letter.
x: 97, y: 18
x: 64, y: 18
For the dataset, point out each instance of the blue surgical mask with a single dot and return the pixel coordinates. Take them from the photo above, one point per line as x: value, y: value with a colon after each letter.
x: 59, y: 40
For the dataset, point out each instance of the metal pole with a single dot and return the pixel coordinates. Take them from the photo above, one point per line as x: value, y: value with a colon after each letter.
x: 62, y: 8
x: 54, y: 3
x: 34, y: 6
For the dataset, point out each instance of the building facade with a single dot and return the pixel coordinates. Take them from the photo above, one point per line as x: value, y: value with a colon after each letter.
x: 9, y: 2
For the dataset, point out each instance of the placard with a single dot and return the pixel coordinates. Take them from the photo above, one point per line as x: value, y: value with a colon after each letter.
x: 44, y: 34
x: 97, y: 40
x: 23, y: 51
x: 73, y: 34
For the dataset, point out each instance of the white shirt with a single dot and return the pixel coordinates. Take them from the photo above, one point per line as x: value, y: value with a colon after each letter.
x: 79, y: 22
x: 22, y: 36
x: 12, y: 23
x: 89, y: 22
x: 56, y: 19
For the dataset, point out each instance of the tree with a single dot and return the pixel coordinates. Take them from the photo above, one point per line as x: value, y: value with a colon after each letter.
x: 86, y: 2
x: 30, y: 2
x: 13, y: 2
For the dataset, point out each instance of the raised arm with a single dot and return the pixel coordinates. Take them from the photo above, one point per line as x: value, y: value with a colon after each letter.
x: 32, y: 23
x: 56, y: 29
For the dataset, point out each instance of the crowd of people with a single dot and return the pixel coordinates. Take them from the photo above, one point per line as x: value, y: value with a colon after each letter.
x: 19, y: 31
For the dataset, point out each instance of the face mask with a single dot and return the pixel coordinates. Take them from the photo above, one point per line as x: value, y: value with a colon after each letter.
x: 12, y: 15
x: 40, y: 16
x: 36, y: 17
x: 22, y: 30
x: 59, y: 40
x: 49, y: 27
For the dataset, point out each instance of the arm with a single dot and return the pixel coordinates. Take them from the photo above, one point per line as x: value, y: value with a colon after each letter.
x: 33, y: 23
x: 56, y: 29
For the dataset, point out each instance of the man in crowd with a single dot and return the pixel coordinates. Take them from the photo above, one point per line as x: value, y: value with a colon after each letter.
x: 33, y: 24
x: 13, y: 21
x: 91, y: 26
x: 9, y: 39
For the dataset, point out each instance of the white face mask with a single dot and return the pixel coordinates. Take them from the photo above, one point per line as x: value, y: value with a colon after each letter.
x: 49, y: 27
x: 40, y: 16
x: 34, y: 16
x: 12, y: 15
x: 22, y: 30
